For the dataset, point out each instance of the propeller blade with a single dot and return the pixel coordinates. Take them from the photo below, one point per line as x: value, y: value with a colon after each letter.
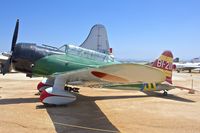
x: 14, y: 39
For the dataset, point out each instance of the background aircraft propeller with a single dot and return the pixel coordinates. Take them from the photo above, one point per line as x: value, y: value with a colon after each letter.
x: 7, y: 65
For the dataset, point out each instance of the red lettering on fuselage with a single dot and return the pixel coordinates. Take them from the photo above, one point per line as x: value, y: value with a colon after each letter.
x: 164, y: 65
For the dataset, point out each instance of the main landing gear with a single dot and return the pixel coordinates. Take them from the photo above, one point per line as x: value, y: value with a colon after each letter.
x: 56, y: 96
x: 58, y: 93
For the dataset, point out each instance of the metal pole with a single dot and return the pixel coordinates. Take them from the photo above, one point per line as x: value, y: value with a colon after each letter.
x: 192, y: 83
x: 191, y: 91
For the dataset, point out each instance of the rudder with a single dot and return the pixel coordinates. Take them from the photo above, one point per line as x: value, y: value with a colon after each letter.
x: 165, y: 63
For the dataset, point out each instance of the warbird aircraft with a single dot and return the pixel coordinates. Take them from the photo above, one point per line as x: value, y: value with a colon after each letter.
x: 194, y: 64
x: 87, y: 63
x: 187, y: 66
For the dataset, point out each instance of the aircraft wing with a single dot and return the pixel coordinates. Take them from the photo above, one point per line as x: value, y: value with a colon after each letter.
x: 3, y: 58
x: 116, y: 73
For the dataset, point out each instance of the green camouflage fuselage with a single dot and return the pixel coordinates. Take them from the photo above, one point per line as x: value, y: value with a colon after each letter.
x: 45, y: 61
x: 49, y: 65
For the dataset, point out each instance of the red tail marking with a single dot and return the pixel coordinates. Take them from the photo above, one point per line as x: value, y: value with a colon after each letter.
x: 165, y: 63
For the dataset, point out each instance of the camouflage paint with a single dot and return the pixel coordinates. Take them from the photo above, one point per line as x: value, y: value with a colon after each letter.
x: 49, y: 65
x: 164, y: 63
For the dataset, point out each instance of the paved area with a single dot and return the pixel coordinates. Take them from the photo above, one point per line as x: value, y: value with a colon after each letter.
x: 100, y: 110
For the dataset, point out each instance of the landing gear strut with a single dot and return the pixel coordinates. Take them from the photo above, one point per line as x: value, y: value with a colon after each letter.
x: 165, y: 93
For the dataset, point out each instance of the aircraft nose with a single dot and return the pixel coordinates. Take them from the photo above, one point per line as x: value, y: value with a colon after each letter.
x: 24, y: 51
x: 23, y: 57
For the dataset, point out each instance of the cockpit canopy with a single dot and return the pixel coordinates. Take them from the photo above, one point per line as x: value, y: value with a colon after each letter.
x: 82, y: 52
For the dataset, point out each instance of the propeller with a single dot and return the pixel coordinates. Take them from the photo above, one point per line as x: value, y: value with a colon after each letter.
x: 7, y: 65
x: 15, y: 35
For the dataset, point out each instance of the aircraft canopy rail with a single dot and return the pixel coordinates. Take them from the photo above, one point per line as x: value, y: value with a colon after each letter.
x: 90, y: 54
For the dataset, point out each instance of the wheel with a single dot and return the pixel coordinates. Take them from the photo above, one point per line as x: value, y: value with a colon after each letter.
x: 165, y: 93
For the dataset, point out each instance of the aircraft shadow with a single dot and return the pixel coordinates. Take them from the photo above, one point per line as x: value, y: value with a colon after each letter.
x: 85, y: 116
x: 82, y: 98
x: 169, y: 96
x: 18, y: 100
x: 115, y: 97
x: 82, y: 116
x: 148, y: 94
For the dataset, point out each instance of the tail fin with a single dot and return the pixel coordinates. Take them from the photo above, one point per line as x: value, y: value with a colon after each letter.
x: 97, y: 39
x: 165, y: 63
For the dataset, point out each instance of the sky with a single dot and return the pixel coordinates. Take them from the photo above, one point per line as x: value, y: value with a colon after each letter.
x: 137, y: 29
